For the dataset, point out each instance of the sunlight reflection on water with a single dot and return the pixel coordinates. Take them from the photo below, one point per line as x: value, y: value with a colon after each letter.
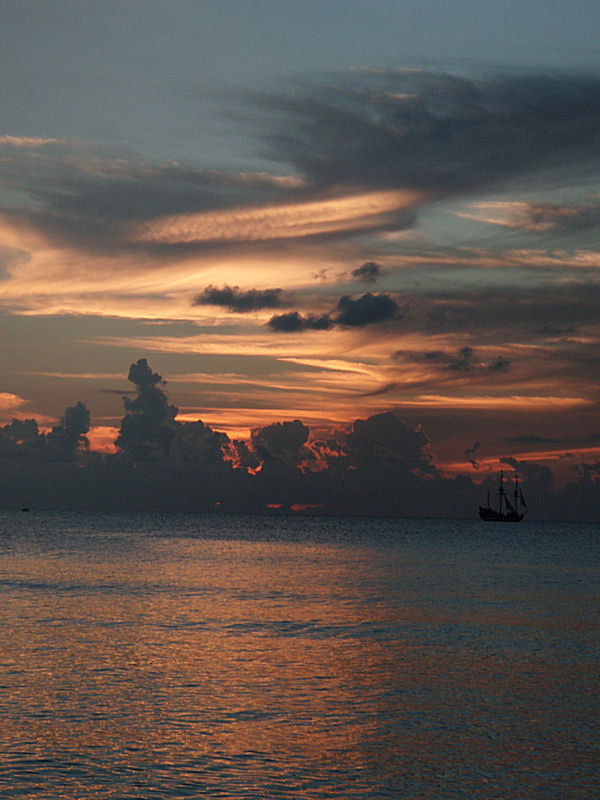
x: 170, y: 657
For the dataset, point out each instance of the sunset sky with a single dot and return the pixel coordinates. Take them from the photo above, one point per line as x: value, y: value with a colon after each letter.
x: 312, y: 210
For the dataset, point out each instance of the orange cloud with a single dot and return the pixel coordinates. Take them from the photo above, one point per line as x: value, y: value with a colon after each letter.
x: 46, y: 277
x: 28, y: 141
x: 292, y: 220
x: 102, y: 438
x: 11, y: 407
x: 10, y: 404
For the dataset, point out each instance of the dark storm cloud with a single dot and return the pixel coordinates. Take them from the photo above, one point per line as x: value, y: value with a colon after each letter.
x: 294, y: 322
x: 368, y: 272
x: 196, y: 443
x: 69, y: 435
x: 67, y: 439
x: 437, y: 132
x: 369, y: 309
x: 234, y: 299
x: 281, y: 441
x: 150, y: 433
x: 384, y: 440
x: 148, y: 427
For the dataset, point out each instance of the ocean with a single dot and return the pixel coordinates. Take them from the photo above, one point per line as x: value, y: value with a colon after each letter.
x: 183, y: 656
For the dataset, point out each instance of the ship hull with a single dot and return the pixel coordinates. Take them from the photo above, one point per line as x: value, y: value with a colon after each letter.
x: 489, y: 515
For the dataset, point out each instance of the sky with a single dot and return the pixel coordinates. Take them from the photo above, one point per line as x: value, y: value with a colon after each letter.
x: 320, y: 211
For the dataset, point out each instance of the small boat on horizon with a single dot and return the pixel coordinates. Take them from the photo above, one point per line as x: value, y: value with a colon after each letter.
x: 506, y: 511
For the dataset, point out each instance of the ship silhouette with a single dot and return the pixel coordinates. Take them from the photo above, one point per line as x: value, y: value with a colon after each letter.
x: 507, y: 510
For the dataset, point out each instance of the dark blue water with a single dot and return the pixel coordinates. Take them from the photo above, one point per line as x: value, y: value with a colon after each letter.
x: 149, y: 656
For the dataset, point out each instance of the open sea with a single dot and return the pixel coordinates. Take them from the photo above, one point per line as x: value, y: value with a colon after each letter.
x: 172, y: 656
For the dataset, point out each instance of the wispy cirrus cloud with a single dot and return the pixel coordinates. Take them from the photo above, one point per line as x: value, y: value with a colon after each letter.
x: 539, y: 217
x: 29, y: 141
x: 344, y: 213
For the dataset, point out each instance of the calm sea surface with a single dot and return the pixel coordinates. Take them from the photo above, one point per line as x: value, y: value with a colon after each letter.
x: 149, y: 656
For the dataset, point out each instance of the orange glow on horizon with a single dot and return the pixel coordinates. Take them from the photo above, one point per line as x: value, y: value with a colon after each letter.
x: 102, y: 438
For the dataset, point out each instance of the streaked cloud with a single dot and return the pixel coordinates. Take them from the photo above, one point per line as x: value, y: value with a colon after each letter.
x: 341, y: 214
x: 539, y: 217
x: 523, y: 402
x: 28, y: 141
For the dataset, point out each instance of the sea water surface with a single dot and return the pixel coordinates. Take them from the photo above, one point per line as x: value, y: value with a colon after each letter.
x: 173, y: 656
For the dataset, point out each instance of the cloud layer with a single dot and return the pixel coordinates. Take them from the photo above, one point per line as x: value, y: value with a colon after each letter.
x: 426, y: 241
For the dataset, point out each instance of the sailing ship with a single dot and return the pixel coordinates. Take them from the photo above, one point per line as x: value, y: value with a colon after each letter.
x: 507, y: 510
